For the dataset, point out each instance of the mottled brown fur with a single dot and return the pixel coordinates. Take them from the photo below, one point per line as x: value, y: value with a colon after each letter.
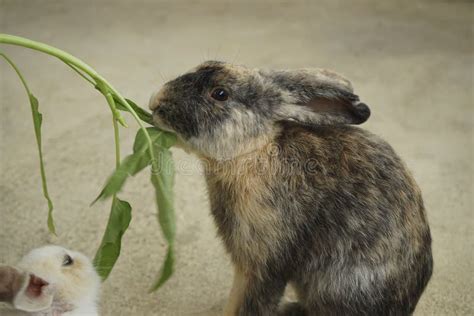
x: 298, y: 195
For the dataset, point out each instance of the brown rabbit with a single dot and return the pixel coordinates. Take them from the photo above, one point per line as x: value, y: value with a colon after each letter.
x: 298, y: 195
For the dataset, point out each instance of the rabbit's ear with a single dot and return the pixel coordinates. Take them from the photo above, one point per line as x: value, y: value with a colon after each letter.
x: 317, y: 97
x: 35, y: 295
x: 11, y: 281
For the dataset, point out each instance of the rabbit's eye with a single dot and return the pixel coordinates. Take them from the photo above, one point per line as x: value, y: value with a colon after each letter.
x: 219, y: 94
x: 67, y: 261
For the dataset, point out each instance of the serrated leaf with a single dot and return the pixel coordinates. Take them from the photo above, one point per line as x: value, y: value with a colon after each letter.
x: 109, y: 249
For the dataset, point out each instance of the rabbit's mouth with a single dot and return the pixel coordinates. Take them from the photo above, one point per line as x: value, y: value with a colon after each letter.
x: 159, y: 123
x: 159, y: 112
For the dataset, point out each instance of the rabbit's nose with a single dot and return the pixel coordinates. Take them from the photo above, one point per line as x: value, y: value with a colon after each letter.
x: 155, y: 99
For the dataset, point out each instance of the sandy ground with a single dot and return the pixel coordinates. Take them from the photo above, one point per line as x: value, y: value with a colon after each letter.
x: 410, y: 60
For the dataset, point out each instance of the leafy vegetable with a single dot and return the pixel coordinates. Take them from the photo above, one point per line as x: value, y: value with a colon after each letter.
x: 37, y: 121
x: 109, y: 249
x: 162, y: 180
x: 151, y: 147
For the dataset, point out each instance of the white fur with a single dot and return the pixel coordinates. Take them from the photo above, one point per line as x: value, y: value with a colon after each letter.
x: 76, y: 286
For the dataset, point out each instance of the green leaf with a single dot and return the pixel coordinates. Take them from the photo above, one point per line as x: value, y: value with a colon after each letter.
x: 158, y: 137
x: 130, y: 166
x: 109, y: 249
x: 166, y: 270
x: 137, y: 161
x: 163, y: 182
x: 37, y: 121
x: 161, y: 138
x: 144, y: 115
x: 162, y: 178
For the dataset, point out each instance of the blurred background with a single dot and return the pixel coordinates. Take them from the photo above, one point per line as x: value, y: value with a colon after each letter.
x: 411, y: 61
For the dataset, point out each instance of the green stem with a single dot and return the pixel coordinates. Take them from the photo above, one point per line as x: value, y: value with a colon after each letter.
x: 50, y: 50
x: 117, y: 143
x: 154, y: 163
x: 70, y: 59
x: 23, y: 81
x: 111, y: 103
x: 80, y: 73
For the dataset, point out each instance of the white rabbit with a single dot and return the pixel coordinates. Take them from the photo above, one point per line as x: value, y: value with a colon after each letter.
x: 51, y: 281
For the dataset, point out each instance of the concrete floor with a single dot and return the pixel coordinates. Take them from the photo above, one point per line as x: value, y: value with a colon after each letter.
x: 411, y: 61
